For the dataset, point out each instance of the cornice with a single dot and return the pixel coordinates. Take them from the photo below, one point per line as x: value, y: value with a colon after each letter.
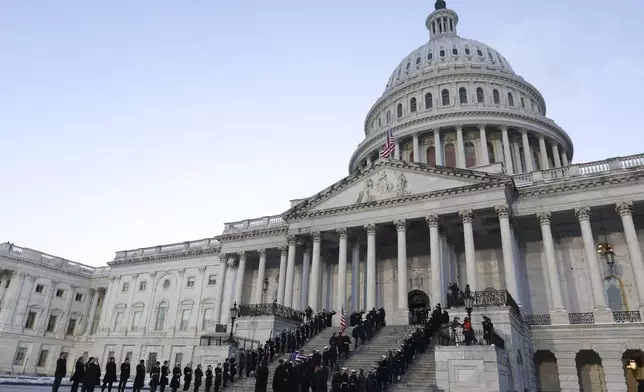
x: 157, y: 258
x: 45, y: 265
x: 582, y: 184
x: 242, y: 235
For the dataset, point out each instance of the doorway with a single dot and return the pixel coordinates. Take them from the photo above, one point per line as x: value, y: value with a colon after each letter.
x: 418, y: 302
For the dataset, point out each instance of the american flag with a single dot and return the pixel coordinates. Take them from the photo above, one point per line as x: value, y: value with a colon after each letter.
x: 343, y: 322
x: 390, y: 145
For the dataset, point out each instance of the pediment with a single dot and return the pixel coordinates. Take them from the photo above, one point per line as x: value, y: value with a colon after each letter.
x: 394, y: 180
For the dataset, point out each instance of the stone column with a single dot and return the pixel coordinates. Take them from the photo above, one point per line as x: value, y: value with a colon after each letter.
x: 567, y: 368
x: 460, y: 148
x: 416, y: 147
x: 485, y: 158
x: 92, y: 312
x: 221, y: 282
x: 625, y: 210
x: 543, y: 154
x: 371, y: 266
x: 369, y: 160
x: 564, y: 158
x: 62, y: 325
x: 306, y: 272
x: 342, y: 270
x: 613, y: 370
x: 314, y: 281
x: 402, y: 314
x: 527, y: 152
x: 470, y: 256
x: 438, y: 294
x: 507, y: 245
x: 438, y: 147
x: 601, y: 311
x: 281, y: 283
x: 42, y: 320
x: 555, y: 154
x: 239, y: 285
x: 397, y: 150
x: 108, y: 303
x: 355, y: 277
x: 23, y: 300
x: 290, y: 271
x: 261, y: 273
x: 558, y: 314
x: 148, y: 324
x: 12, y: 295
x: 130, y: 301
x: 507, y: 156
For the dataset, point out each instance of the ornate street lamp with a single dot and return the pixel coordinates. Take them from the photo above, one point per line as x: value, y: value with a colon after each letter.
x: 605, y: 250
x: 265, y: 286
x: 469, y: 304
x: 234, y: 311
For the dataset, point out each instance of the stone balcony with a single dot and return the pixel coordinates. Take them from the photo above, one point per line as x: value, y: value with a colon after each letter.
x: 32, y: 256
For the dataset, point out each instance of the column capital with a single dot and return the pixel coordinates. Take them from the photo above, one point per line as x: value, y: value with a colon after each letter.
x: 401, y: 225
x: 91, y: 291
x: 432, y: 221
x: 222, y: 258
x: 201, y: 270
x: 503, y: 211
x: 482, y: 127
x: 523, y: 131
x: 231, y: 262
x: 242, y: 254
x: 181, y: 271
x: 582, y: 213
x: 436, y: 130
x: 370, y: 228
x: 624, y: 208
x: 102, y: 289
x: 459, y: 128
x: 54, y: 283
x: 262, y: 253
x: 466, y: 215
x: 316, y: 236
x: 540, y: 137
x: 74, y: 286
x: 342, y: 233
x: 504, y: 128
x: 545, y: 218
x: 291, y: 240
x: 283, y: 250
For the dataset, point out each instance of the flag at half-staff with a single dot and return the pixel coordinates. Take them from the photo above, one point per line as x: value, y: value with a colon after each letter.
x: 343, y: 322
x: 390, y: 145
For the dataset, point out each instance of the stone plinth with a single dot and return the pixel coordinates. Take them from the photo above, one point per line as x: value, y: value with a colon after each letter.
x: 213, y: 355
x: 262, y: 328
x: 472, y: 368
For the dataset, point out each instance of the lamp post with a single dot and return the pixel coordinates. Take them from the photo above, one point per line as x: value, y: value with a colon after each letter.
x: 605, y: 250
x: 469, y: 304
x: 265, y: 286
x: 234, y: 311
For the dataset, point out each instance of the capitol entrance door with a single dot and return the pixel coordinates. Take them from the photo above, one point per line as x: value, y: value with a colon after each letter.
x: 419, y: 307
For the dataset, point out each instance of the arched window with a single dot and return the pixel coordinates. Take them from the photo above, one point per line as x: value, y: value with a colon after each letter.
x: 470, y: 155
x: 522, y: 102
x: 536, y: 159
x: 380, y: 121
x: 445, y: 95
x: 522, y: 159
x: 510, y: 99
x: 408, y: 152
x: 399, y: 110
x: 429, y: 101
x: 207, y: 318
x: 462, y: 95
x: 162, y: 311
x: 450, y: 155
x: 431, y: 156
x: 388, y: 116
x: 412, y: 105
x: 496, y: 97
x: 490, y: 153
x: 480, y: 97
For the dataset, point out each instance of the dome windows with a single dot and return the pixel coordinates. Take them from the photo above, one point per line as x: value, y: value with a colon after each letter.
x: 429, y: 101
x: 418, y: 60
x: 489, y: 55
x: 478, y: 51
x: 467, y: 51
x: 522, y: 102
x: 480, y: 96
x: 430, y: 56
x: 445, y: 97
x: 496, y: 97
x: 442, y: 53
x: 462, y: 95
x: 408, y: 66
x: 399, y: 110
x: 454, y: 51
x: 470, y: 154
x: 388, y: 116
x: 510, y: 99
x: 412, y: 105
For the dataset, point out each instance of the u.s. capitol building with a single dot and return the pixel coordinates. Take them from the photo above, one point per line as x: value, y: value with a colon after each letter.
x: 481, y: 190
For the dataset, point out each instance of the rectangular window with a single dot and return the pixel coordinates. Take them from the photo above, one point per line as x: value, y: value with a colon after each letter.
x: 191, y: 281
x: 185, y: 318
x: 152, y: 359
x: 40, y: 288
x: 51, y: 323
x: 79, y: 297
x: 19, y: 359
x: 6, y: 285
x: 207, y: 317
x: 142, y: 285
x: 31, y: 320
x: 178, y: 358
x: 136, y: 319
x: 160, y: 320
x: 126, y: 287
x: 212, y: 280
x: 110, y: 354
x: 42, y: 358
x: 117, y: 321
x: 60, y: 293
x: 128, y: 355
x: 71, y: 327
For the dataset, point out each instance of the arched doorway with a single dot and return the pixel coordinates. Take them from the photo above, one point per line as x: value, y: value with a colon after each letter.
x: 638, y: 357
x: 418, y: 301
x: 547, y: 371
x: 590, y: 371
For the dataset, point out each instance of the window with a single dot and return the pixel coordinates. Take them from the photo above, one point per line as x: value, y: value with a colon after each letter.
x: 110, y: 354
x: 152, y: 359
x: 129, y: 355
x: 430, y: 56
x: 212, y: 280
x: 470, y: 155
x: 60, y: 293
x: 136, y: 319
x: 19, y: 359
x: 478, y: 51
x: 126, y: 287
x: 142, y: 285
x: 490, y: 153
x: 510, y: 99
x: 489, y: 55
x: 536, y: 159
x: 442, y: 53
x: 388, y: 116
x: 431, y: 156
x: 408, y: 66
x: 51, y: 323
x: 480, y: 96
x: 379, y: 121
x: 6, y: 285
x: 207, y: 317
x: 445, y: 95
x: 166, y: 284
x: 71, y: 327
x: 42, y: 358
x: 522, y: 102
x: 429, y: 101
x: 417, y: 60
x: 462, y: 95
x: 412, y: 105
x: 450, y: 155
x: 399, y: 110
x: 40, y: 288
x: 455, y: 51
x: 117, y: 321
x: 178, y: 358
x: 31, y: 320
x: 160, y: 319
x: 79, y: 297
x: 185, y: 318
x: 467, y: 51
x: 190, y: 282
x: 496, y: 97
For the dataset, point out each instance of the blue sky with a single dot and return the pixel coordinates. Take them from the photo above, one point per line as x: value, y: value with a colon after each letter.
x: 126, y: 124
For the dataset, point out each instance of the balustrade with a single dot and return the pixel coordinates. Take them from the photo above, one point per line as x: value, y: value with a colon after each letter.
x: 272, y: 309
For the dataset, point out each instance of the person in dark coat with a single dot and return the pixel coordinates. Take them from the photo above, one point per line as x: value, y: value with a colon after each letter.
x: 226, y: 372
x: 187, y: 377
x: 92, y: 376
x: 89, y: 360
x: 278, y: 377
x: 321, y: 379
x: 176, y: 377
x: 261, y: 381
x: 198, y: 377
x: 125, y: 374
x: 208, y: 378
x: 110, y: 375
x: 139, y: 378
x: 164, y: 376
x: 61, y: 370
x: 155, y: 374
x: 79, y: 374
x: 218, y: 377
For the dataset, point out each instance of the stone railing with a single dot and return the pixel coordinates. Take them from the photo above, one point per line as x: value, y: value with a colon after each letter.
x: 165, y: 250
x: 273, y: 309
x: 627, y: 317
x: 579, y: 170
x: 254, y: 224
x: 223, y: 340
x: 581, y: 318
x: 11, y: 250
x: 538, y: 319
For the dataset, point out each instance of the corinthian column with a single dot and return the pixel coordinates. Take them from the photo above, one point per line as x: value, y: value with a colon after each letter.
x: 342, y: 270
x: 281, y: 283
x: 314, y: 281
x: 507, y: 156
x: 290, y: 271
x: 221, y: 282
x: 460, y: 148
x: 625, y: 210
x: 485, y: 157
x: 355, y: 276
x: 470, y: 256
x: 306, y: 272
x: 401, y: 228
x: 507, y: 245
x: 371, y: 266
x: 554, y: 279
x: 261, y: 272
x: 435, y: 260
x: 527, y: 152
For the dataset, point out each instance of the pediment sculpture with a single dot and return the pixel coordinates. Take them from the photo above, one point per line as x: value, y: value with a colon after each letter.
x: 383, y: 188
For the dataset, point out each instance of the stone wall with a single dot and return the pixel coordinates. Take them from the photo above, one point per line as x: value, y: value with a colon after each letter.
x: 472, y: 368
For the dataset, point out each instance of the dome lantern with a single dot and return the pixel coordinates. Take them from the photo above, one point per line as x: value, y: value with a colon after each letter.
x: 442, y: 21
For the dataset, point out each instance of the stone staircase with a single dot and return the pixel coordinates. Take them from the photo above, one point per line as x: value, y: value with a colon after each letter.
x: 245, y: 384
x: 420, y: 376
x: 388, y: 338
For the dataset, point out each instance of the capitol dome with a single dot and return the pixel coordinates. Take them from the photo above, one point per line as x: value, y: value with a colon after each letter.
x: 458, y: 102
